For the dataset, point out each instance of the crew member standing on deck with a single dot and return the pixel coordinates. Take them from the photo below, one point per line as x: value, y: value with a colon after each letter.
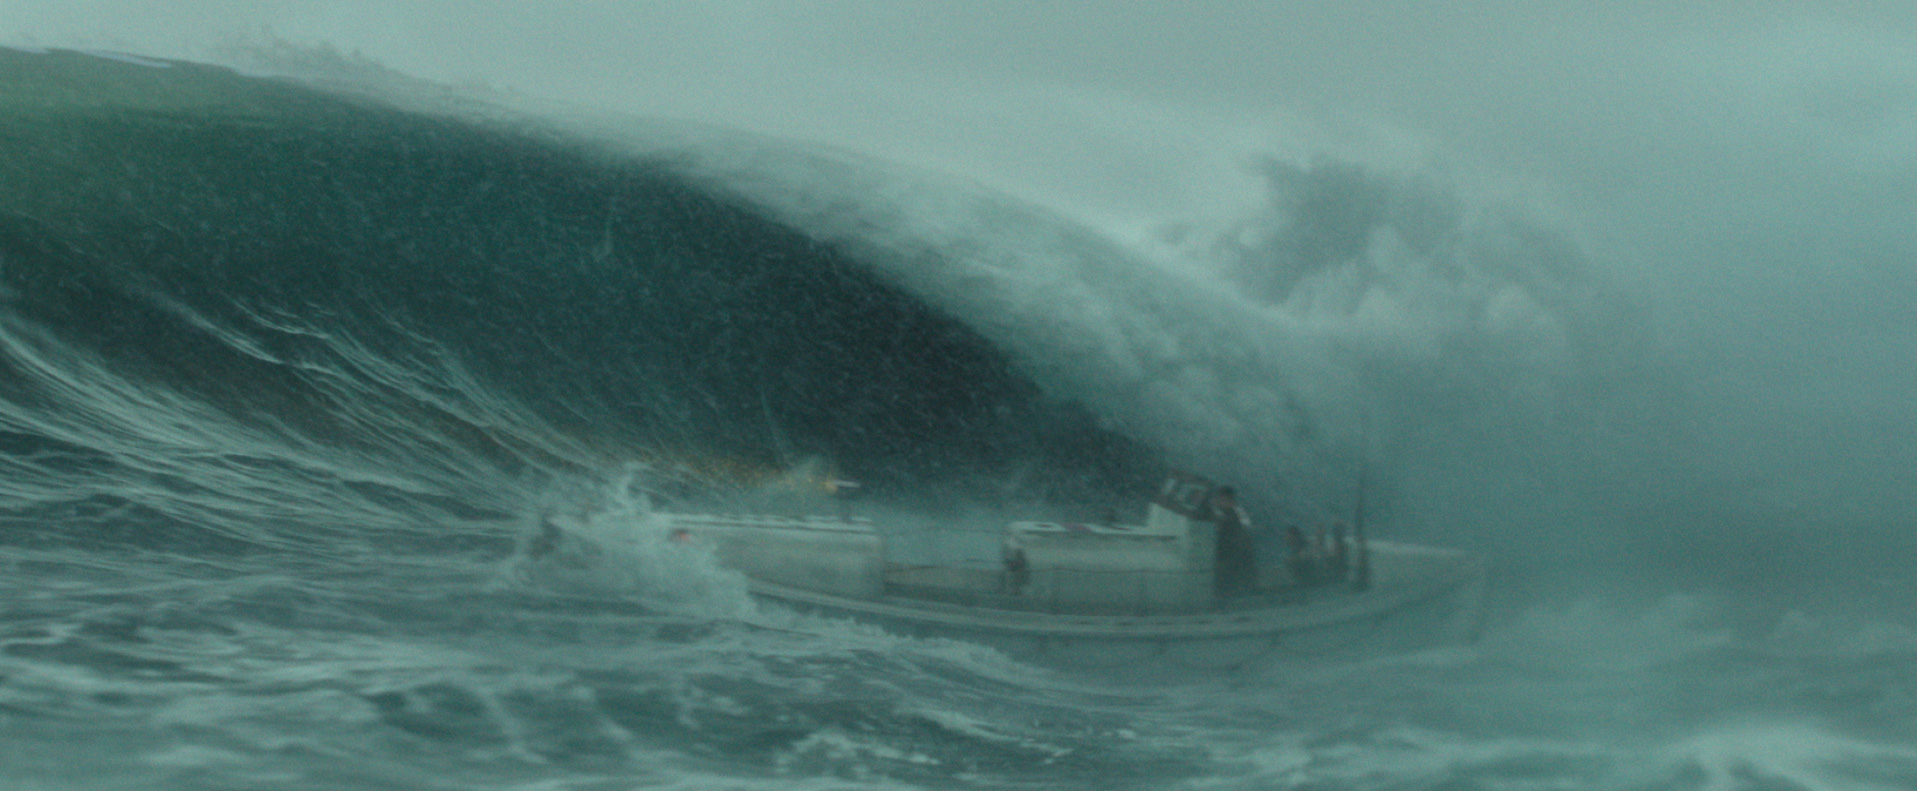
x: 1234, y: 571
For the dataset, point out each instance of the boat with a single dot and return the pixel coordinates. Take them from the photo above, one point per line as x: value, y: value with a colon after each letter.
x: 1115, y: 596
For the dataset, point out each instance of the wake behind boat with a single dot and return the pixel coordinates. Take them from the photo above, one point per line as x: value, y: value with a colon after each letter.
x: 1152, y: 594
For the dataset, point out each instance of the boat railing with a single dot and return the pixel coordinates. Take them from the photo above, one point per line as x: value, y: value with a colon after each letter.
x: 1078, y: 591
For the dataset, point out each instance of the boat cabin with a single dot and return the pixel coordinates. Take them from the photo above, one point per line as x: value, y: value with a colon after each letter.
x: 842, y: 556
x: 1163, y: 565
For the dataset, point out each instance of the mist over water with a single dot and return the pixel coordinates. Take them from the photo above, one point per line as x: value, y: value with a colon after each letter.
x: 294, y: 359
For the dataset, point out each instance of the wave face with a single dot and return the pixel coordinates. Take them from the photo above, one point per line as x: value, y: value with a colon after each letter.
x: 323, y: 272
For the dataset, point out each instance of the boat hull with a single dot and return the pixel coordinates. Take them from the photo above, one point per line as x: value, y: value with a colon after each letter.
x: 1420, y: 598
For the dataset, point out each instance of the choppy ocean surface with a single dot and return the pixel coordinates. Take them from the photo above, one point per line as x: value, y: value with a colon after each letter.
x: 290, y: 369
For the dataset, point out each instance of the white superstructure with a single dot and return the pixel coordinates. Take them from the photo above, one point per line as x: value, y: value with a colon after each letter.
x: 1084, y: 593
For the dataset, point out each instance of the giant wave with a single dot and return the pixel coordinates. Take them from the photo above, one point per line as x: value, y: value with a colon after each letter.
x: 206, y: 269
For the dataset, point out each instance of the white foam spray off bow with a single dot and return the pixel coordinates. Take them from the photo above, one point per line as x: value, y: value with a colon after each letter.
x: 607, y: 541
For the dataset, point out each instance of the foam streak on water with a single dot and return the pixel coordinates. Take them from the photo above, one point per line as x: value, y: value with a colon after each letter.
x: 186, y: 674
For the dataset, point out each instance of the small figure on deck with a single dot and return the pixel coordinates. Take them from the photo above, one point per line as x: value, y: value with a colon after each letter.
x: 1338, y: 555
x: 1300, y: 559
x: 1235, y: 571
x: 1018, y: 569
x: 1320, y: 559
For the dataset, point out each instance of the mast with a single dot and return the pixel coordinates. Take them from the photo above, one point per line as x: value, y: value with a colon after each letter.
x: 1362, y: 580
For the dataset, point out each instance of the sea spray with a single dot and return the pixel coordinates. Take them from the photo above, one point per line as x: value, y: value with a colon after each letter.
x: 617, y: 546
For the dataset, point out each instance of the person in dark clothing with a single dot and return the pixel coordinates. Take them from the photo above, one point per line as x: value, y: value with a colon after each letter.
x: 1300, y: 559
x: 1235, y: 572
x: 1338, y: 565
x: 1018, y: 569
